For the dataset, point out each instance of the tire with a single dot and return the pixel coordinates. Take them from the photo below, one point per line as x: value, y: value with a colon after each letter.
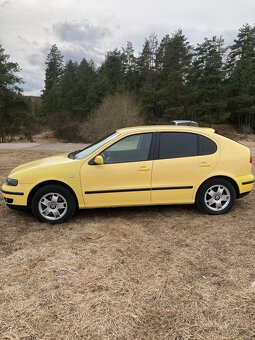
x: 216, y: 196
x: 53, y: 204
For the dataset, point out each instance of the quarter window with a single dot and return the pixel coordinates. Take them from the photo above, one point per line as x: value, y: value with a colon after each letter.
x: 206, y: 146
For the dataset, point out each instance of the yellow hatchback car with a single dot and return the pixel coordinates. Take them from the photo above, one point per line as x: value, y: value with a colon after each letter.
x: 147, y: 165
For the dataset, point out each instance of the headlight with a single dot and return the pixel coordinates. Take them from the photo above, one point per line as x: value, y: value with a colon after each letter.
x: 11, y: 181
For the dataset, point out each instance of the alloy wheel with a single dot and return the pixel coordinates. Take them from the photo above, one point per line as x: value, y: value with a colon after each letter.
x: 217, y: 197
x: 52, y: 206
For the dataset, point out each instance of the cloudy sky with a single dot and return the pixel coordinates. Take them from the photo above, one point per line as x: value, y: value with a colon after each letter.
x: 87, y: 28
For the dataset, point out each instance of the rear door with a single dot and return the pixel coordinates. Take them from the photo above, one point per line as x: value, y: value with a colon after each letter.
x: 183, y: 159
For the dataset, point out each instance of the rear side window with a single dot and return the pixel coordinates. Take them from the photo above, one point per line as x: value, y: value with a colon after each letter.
x: 177, y: 144
x: 206, y: 146
x: 184, y: 144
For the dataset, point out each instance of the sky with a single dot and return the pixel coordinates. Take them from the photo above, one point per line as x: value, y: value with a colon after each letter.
x: 87, y: 28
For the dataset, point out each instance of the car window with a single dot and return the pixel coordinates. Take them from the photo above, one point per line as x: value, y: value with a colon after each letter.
x: 206, y: 146
x: 184, y: 144
x: 93, y: 147
x: 133, y: 148
x: 177, y: 144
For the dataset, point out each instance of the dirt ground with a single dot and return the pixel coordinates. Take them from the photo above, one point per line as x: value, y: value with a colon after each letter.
x: 127, y: 273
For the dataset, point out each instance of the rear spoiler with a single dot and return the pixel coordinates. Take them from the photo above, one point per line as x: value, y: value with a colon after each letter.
x: 208, y: 129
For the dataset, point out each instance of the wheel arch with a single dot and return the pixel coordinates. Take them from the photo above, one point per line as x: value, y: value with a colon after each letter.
x: 42, y: 184
x: 231, y: 180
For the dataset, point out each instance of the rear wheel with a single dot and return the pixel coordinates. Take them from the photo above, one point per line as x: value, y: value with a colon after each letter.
x: 53, y: 204
x: 215, y: 197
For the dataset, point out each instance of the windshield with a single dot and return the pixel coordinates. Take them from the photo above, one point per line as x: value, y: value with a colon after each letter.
x: 93, y: 147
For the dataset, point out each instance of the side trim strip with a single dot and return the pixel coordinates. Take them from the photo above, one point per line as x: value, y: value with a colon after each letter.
x: 119, y: 190
x: 132, y: 190
x: 250, y: 182
x: 173, y: 188
x: 13, y: 193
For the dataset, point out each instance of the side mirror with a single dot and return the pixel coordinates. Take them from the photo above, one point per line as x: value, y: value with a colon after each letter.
x: 98, y: 160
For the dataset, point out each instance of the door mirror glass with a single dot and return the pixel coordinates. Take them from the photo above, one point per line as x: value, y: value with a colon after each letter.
x: 99, y: 160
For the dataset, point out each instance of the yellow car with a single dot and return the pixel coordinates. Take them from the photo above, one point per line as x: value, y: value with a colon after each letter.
x: 136, y: 166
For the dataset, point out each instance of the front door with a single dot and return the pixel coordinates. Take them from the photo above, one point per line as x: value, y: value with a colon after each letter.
x: 125, y: 176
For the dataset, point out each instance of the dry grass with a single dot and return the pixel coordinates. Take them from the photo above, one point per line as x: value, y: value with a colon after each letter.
x: 134, y: 273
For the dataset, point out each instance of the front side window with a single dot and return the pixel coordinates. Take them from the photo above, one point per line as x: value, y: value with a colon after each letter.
x: 133, y: 148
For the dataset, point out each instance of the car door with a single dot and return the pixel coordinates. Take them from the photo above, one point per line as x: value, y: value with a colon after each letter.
x: 124, y: 178
x: 183, y: 160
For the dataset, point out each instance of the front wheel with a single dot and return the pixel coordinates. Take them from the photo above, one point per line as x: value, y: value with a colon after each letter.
x: 216, y: 197
x: 53, y: 204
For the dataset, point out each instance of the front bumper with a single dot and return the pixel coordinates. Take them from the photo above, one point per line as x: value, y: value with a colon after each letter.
x: 16, y: 195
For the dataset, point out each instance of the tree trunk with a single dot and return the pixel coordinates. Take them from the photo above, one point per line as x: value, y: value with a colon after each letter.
x: 2, y: 113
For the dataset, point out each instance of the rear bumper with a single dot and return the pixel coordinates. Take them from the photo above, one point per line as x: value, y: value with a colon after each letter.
x: 245, y: 184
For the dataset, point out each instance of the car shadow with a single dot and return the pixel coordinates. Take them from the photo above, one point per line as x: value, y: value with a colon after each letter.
x: 136, y: 212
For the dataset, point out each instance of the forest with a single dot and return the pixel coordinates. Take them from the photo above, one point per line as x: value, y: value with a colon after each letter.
x: 168, y: 79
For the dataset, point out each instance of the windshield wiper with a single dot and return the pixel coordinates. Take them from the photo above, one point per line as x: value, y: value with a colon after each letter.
x: 72, y: 154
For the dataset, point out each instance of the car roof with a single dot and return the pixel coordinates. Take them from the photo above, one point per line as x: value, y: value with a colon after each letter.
x: 154, y: 128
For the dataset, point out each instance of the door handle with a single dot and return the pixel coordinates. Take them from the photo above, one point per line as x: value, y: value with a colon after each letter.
x: 204, y: 164
x: 143, y: 168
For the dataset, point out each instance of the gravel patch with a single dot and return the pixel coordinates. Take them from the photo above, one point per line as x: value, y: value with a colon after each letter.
x: 58, y: 147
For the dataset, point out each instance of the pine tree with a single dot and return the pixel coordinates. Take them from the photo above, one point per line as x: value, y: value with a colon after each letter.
x: 146, y: 66
x: 51, y: 92
x: 240, y: 82
x: 14, y: 109
x: 68, y: 87
x: 112, y: 72
x: 146, y: 60
x: 131, y: 73
x: 207, y: 97
x: 173, y: 64
x: 86, y: 96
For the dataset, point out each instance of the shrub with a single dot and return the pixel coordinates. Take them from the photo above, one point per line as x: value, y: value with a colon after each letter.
x: 115, y: 112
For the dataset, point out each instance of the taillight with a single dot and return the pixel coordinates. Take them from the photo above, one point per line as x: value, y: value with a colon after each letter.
x: 250, y: 158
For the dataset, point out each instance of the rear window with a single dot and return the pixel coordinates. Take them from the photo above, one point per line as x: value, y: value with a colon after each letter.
x: 184, y: 144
